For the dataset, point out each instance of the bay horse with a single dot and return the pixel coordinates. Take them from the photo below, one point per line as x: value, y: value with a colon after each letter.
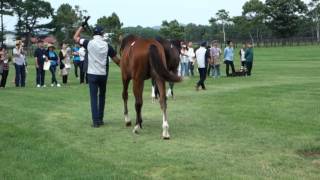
x: 142, y: 59
x: 172, y: 51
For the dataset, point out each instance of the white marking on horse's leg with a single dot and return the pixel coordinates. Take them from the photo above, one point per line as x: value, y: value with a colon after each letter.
x: 136, y: 129
x: 169, y: 92
x: 127, y: 120
x: 165, y: 126
x: 153, y: 94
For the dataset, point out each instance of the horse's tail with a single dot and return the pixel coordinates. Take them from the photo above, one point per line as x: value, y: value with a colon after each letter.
x: 158, y: 66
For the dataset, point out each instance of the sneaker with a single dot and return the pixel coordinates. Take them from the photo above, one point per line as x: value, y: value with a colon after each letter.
x: 52, y: 85
x: 44, y: 86
x: 58, y: 85
x: 38, y: 86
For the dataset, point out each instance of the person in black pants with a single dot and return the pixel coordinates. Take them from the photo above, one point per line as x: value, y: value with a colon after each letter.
x: 54, y: 61
x: 98, y: 65
x: 20, y: 62
x: 228, y: 58
x: 82, y: 54
x: 4, y: 63
x: 202, y: 57
x: 40, y: 58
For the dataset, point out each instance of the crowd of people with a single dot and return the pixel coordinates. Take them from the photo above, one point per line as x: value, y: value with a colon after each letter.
x: 46, y: 59
x: 209, y: 59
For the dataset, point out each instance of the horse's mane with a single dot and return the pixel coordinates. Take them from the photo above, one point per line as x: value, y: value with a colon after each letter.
x: 126, y: 40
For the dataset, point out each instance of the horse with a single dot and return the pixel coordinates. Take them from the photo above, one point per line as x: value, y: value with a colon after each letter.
x: 172, y: 51
x: 142, y: 59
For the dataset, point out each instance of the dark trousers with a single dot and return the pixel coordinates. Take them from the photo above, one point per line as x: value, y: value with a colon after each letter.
x: 191, y: 67
x: 210, y: 67
x: 249, y: 67
x: 76, y: 67
x: 82, y: 72
x: 228, y: 64
x: 65, y: 79
x: 97, y: 86
x: 20, y: 79
x: 4, y: 77
x: 53, y: 74
x: 40, y: 76
x: 203, y: 76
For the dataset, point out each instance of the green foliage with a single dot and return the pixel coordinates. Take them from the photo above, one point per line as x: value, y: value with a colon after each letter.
x: 29, y: 13
x: 6, y: 9
x: 284, y: 16
x: 112, y: 25
x: 172, y: 30
x: 145, y: 32
x: 65, y: 23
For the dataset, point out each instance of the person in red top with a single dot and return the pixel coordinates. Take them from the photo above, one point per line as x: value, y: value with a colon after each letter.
x: 4, y: 63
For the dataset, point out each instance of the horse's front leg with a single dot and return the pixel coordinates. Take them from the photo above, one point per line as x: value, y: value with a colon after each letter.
x: 163, y: 104
x: 138, y: 93
x: 125, y: 101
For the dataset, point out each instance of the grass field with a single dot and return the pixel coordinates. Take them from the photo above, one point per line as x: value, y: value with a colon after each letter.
x: 263, y: 127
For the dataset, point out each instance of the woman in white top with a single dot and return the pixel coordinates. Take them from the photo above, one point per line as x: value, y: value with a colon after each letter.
x: 191, y: 56
x: 65, y: 62
x: 242, y: 57
x: 184, y: 61
x: 82, y: 54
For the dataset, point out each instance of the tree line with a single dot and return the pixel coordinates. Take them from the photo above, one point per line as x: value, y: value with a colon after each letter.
x: 258, y: 21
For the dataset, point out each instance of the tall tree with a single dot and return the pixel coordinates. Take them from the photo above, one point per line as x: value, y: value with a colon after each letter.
x: 222, y: 17
x: 6, y: 9
x: 65, y: 21
x: 284, y: 16
x: 32, y: 12
x: 19, y: 11
x: 172, y: 30
x: 111, y: 25
x: 253, y: 11
x: 314, y: 13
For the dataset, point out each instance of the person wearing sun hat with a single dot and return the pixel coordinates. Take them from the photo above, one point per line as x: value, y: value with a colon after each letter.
x: 40, y: 55
x: 54, y: 62
x: 20, y: 64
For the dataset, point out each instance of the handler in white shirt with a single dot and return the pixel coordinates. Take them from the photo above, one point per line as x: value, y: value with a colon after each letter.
x: 202, y: 56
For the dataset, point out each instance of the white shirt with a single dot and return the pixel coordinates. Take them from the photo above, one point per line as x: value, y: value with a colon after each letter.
x: 184, y: 56
x: 191, y: 54
x: 97, y: 55
x: 243, y: 53
x: 201, y: 57
x: 19, y: 58
x: 82, y: 53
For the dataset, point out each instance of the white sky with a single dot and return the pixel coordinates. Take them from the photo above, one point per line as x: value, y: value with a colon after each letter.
x: 150, y: 12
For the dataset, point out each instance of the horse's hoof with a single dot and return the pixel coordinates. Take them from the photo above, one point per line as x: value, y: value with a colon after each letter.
x: 166, y: 138
x: 136, y: 129
x: 128, y: 124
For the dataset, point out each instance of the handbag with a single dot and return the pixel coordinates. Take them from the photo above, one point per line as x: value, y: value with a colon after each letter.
x: 46, y: 65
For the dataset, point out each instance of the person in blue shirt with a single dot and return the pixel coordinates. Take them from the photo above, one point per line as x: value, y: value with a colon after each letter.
x: 228, y: 58
x: 76, y: 60
x: 54, y: 62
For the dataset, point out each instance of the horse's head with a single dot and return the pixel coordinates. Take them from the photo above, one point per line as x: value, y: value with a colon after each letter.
x: 172, y: 52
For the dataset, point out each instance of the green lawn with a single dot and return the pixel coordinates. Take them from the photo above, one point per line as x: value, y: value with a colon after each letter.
x: 263, y: 127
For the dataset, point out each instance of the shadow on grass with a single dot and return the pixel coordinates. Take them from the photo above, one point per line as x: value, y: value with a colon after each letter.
x: 310, y: 152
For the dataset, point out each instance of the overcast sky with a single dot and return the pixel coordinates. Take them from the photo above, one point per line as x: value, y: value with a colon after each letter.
x: 151, y: 12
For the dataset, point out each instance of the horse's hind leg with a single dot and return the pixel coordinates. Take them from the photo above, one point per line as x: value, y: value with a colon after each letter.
x: 163, y: 104
x: 125, y: 101
x: 138, y: 92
